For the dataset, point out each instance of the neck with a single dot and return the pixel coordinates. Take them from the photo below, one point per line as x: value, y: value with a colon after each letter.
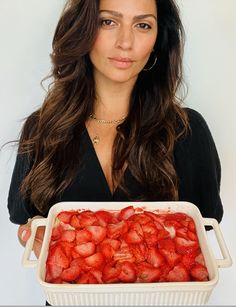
x: 113, y: 99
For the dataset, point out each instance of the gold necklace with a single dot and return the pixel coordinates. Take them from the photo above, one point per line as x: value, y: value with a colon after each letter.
x: 104, y: 121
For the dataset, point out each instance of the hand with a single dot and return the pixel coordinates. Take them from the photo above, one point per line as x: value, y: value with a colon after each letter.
x: 24, y: 232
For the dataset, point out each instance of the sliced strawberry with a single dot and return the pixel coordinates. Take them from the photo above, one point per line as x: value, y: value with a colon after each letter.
x: 95, y: 261
x: 124, y: 254
x: 171, y: 257
x: 178, y: 273
x: 67, y: 248
x: 97, y: 274
x: 75, y: 221
x: 65, y: 216
x: 71, y: 274
x: 107, y: 251
x: 149, y: 228
x: 56, y: 232
x: 80, y: 262
x: 128, y: 272
x: 182, y: 232
x: 199, y: 272
x: 172, y: 223
x: 132, y: 237
x: 98, y: 233
x: 200, y: 259
x: 147, y: 273
x: 184, y: 246
x: 110, y: 273
x: 167, y: 244
x: 154, y: 257
x: 140, y: 218
x: 139, y: 252
x: 191, y: 226
x: 115, y: 244
x: 192, y: 235
x: 125, y: 213
x: 163, y: 234
x: 155, y: 217
x: 178, y: 216
x: 150, y: 240
x: 83, y: 236
x: 188, y: 260
x: 85, y: 249
x: 68, y: 235
x: 58, y: 257
x: 87, y: 218
x: 103, y: 217
x: 53, y: 271
x: 114, y: 231
x: 87, y: 278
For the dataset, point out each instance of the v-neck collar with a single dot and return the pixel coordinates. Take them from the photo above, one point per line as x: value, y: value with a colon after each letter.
x: 93, y: 151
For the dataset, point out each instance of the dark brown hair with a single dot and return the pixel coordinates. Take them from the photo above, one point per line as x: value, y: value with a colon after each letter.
x: 145, y: 140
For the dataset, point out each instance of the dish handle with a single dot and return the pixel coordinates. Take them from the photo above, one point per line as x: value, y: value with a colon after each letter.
x: 227, y: 260
x: 26, y: 262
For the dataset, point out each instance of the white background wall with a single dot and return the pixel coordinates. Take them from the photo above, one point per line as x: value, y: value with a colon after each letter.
x: 26, y: 30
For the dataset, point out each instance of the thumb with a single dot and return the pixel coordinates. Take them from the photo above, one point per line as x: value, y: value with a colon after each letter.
x: 24, y: 233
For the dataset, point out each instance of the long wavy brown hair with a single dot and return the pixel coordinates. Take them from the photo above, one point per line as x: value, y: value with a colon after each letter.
x: 145, y: 140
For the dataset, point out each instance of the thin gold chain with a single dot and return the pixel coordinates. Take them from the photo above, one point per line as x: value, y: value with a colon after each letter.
x: 104, y: 121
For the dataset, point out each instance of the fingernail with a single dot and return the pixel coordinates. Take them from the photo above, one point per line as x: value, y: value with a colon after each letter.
x: 23, y: 234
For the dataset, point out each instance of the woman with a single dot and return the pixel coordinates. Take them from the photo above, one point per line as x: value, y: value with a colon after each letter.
x: 111, y: 127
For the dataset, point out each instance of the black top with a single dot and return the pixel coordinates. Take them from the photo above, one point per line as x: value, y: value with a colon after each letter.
x: 197, y: 166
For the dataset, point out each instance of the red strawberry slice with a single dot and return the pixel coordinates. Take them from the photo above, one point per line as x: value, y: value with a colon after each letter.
x: 107, y: 251
x: 71, y: 274
x: 147, y: 273
x: 128, y: 272
x: 75, y: 221
x: 192, y: 235
x: 110, y: 273
x: 124, y: 254
x: 184, y: 246
x: 182, y: 233
x: 114, y: 231
x: 85, y: 249
x: 132, y: 237
x: 98, y: 233
x: 139, y: 252
x: 167, y: 244
x: 97, y: 274
x: 188, y: 260
x: 53, y: 271
x: 140, y: 218
x: 65, y: 216
x: 103, y: 217
x: 200, y: 259
x: 149, y: 228
x: 171, y: 257
x: 126, y: 213
x: 68, y: 235
x: 58, y: 257
x: 95, y: 261
x: 87, y: 218
x: 199, y: 272
x: 150, y: 240
x: 154, y: 257
x: 87, y: 278
x: 191, y: 226
x: 155, y: 217
x: 115, y: 244
x: 83, y: 236
x: 178, y: 273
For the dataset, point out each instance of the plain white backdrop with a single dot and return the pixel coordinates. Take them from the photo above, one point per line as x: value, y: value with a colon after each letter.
x: 26, y: 31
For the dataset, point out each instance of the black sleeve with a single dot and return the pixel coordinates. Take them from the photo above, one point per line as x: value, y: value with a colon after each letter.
x: 19, y: 208
x: 198, y: 168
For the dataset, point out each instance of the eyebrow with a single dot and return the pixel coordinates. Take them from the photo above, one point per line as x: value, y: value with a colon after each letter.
x: 138, y: 17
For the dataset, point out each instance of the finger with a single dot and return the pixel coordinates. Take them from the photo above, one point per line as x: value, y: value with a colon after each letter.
x: 24, y: 232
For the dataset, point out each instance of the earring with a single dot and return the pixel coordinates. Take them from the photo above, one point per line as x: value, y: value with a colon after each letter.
x: 154, y: 63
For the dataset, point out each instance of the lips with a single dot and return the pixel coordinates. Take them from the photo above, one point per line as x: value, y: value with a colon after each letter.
x: 120, y: 62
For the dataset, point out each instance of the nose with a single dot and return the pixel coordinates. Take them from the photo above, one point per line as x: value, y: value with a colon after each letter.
x: 125, y: 38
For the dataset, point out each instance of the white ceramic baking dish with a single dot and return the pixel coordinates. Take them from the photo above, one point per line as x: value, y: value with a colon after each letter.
x: 136, y: 294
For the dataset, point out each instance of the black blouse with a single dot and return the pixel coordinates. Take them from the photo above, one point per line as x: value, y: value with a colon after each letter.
x: 196, y: 161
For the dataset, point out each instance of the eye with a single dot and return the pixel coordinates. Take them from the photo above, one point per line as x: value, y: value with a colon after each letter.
x: 144, y: 26
x: 106, y: 23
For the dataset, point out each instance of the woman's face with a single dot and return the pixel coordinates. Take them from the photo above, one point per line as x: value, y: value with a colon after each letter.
x: 125, y: 39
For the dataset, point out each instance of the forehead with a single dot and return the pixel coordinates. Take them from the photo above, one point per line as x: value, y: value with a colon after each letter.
x: 131, y: 7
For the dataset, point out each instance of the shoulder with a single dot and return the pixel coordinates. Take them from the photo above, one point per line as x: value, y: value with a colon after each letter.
x: 199, y: 134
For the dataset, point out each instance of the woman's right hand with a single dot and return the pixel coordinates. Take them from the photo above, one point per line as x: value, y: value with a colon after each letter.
x: 24, y: 232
